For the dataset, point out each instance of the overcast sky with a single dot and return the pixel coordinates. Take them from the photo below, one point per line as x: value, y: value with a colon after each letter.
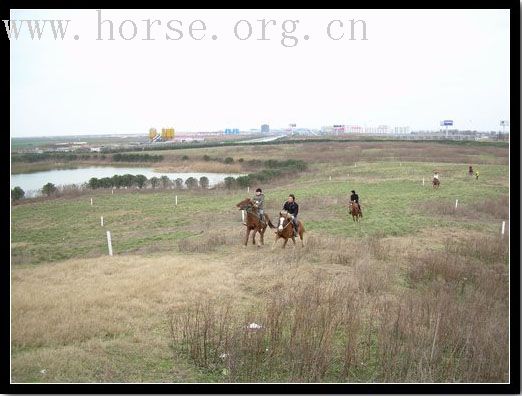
x: 415, y: 69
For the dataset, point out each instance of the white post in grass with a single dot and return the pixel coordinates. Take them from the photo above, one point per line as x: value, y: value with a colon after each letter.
x: 243, y: 216
x: 503, y: 227
x: 248, y: 189
x: 91, y: 201
x: 422, y: 181
x: 176, y: 200
x: 109, y: 242
x: 330, y: 178
x: 101, y: 220
x: 112, y: 191
x: 456, y: 203
x: 355, y: 165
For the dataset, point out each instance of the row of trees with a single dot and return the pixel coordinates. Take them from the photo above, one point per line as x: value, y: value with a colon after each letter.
x: 118, y: 157
x: 118, y: 181
x: 275, y: 169
x: 37, y: 157
x: 48, y: 189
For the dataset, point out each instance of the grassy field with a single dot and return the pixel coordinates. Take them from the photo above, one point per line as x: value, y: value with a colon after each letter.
x: 427, y: 283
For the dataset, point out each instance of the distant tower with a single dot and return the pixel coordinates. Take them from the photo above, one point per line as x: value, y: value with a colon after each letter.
x: 265, y: 128
x: 152, y: 133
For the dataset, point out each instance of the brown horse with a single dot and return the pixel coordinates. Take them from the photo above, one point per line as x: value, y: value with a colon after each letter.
x: 285, y: 229
x: 253, y: 223
x: 355, y: 210
x: 436, y: 183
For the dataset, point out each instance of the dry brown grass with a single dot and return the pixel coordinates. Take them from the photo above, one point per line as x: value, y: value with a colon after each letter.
x: 335, y: 310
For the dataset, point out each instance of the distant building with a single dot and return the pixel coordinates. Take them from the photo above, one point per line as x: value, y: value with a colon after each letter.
x: 95, y: 149
x: 265, y: 128
x: 233, y: 131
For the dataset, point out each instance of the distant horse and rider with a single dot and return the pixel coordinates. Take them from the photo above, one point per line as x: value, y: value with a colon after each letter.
x: 354, y: 208
x: 436, y: 181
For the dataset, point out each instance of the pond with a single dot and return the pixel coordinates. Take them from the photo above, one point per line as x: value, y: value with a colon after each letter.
x: 31, y: 183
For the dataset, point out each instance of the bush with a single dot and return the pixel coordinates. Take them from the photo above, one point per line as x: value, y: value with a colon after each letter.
x: 17, y: 193
x: 191, y: 182
x: 179, y: 182
x: 204, y: 182
x: 230, y: 182
x: 141, y: 180
x: 165, y: 181
x: 154, y: 181
x: 244, y: 181
x: 49, y: 189
x: 185, y: 157
x: 206, y: 158
x: 229, y: 160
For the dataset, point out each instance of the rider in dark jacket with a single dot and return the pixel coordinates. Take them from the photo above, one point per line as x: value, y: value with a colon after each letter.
x: 293, y: 209
x: 355, y: 198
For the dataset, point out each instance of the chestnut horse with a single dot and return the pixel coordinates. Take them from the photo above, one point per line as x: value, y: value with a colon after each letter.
x: 285, y: 229
x: 252, y: 221
x: 355, y: 210
x: 436, y: 182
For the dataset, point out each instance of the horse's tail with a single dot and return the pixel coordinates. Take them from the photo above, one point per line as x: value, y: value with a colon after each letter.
x: 269, y: 222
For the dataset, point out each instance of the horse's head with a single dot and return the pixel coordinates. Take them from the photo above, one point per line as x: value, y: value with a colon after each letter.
x: 283, y: 215
x: 244, y: 204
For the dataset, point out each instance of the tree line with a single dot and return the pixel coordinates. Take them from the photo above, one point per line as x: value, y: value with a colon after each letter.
x: 122, y: 181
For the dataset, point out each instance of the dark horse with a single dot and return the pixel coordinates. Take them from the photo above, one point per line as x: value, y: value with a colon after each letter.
x: 436, y: 182
x: 355, y: 210
x: 285, y: 229
x: 252, y: 221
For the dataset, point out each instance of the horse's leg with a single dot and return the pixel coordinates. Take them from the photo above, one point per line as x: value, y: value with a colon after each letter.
x: 284, y: 244
x: 301, y: 237
x: 262, y: 233
x: 247, y: 235
x: 254, y: 237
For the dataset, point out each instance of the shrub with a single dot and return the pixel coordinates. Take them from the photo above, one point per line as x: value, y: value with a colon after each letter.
x: 230, y: 182
x: 191, y: 182
x: 17, y: 193
x: 204, y: 182
x: 49, y: 189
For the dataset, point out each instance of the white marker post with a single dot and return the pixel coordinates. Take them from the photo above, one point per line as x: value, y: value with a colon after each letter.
x: 112, y: 191
x: 109, y: 242
x: 248, y: 189
x: 243, y: 216
x: 503, y: 227
x: 456, y: 203
x: 356, y: 165
x: 176, y: 200
x: 422, y: 181
x: 91, y: 201
x: 330, y: 178
x: 101, y: 220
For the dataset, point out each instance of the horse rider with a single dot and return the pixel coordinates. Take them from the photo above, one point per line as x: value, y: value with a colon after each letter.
x: 470, y: 171
x: 355, y: 198
x: 259, y: 200
x: 436, y: 176
x: 292, y: 208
